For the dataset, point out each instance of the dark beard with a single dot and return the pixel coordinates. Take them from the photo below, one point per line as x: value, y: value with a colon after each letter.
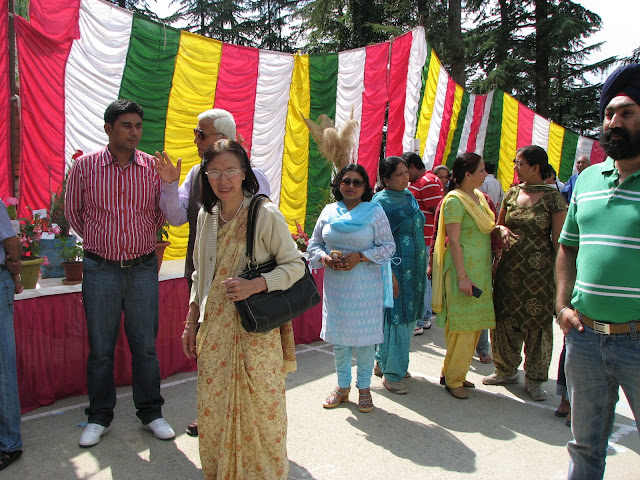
x: 627, y: 147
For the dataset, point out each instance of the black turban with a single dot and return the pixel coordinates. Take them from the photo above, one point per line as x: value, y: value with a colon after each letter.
x: 624, y: 80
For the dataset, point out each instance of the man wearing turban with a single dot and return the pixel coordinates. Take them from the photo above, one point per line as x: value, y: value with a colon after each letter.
x: 598, y: 295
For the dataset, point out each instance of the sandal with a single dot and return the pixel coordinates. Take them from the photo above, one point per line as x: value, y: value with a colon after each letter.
x: 7, y: 458
x: 365, y: 402
x: 485, y: 358
x: 465, y: 383
x: 336, y: 397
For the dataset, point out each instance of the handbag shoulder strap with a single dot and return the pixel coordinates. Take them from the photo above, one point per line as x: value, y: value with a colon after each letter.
x: 252, y: 218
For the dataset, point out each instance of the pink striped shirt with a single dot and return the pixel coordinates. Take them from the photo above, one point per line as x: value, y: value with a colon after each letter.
x: 114, y: 209
x: 427, y: 190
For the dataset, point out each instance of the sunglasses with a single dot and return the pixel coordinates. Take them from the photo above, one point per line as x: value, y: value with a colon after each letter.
x: 203, y: 136
x: 215, y: 174
x: 356, y: 183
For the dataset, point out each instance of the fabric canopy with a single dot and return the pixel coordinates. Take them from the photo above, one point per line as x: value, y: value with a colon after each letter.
x: 98, y: 53
x: 5, y: 108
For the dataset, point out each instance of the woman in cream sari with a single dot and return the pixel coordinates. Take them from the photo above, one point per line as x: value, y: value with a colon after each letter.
x: 242, y: 418
x: 463, y: 264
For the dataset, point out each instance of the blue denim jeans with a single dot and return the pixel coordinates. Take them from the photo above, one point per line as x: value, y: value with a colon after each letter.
x: 364, y: 362
x: 483, y: 346
x: 10, y: 438
x: 596, y: 366
x: 107, y: 291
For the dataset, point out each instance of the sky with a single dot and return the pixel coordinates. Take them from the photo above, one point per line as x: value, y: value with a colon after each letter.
x: 620, y: 31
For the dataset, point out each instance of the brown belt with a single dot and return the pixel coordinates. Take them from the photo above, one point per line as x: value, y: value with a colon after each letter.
x: 608, y: 328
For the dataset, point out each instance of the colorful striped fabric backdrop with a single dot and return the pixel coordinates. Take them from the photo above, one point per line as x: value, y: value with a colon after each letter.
x: 92, y: 52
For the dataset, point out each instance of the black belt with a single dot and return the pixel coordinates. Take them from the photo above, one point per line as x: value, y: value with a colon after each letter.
x: 608, y: 328
x: 120, y: 263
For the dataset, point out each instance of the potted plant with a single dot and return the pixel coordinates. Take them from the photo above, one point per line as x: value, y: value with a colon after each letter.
x: 161, y: 245
x: 72, y: 254
x: 12, y: 210
x: 59, y: 227
x: 30, y: 232
x: 301, y: 238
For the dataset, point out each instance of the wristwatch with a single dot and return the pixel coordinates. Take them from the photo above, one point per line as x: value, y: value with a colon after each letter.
x: 19, y: 280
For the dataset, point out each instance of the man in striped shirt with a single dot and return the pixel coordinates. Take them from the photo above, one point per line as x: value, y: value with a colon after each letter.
x: 598, y: 295
x: 112, y: 202
x: 427, y: 190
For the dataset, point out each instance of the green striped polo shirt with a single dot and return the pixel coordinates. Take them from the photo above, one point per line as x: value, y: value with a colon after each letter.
x: 604, y: 222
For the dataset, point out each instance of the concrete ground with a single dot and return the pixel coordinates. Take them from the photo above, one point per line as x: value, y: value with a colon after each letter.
x: 499, y: 433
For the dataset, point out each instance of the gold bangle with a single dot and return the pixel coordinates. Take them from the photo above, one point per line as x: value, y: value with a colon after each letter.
x: 361, y: 257
x: 462, y: 276
x: 186, y: 322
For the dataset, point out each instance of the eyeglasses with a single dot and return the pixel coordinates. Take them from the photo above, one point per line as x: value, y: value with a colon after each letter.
x: 348, y: 181
x: 518, y: 163
x: 203, y: 136
x: 215, y: 174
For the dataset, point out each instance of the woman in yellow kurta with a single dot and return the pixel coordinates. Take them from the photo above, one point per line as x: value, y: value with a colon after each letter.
x: 462, y: 265
x: 242, y: 418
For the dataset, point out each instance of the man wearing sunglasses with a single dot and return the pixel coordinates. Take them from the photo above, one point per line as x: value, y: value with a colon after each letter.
x: 427, y: 190
x: 180, y: 204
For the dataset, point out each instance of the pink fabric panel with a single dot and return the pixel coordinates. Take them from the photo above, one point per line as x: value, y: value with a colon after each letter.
x: 236, y: 87
x: 478, y: 112
x: 42, y: 64
x: 446, y: 121
x: 306, y: 327
x: 57, y: 18
x: 597, y: 153
x: 400, y: 51
x: 525, y: 126
x: 5, y: 107
x: 374, y: 105
x: 52, y: 345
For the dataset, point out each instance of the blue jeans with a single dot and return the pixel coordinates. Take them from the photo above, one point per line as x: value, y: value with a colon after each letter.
x: 107, y: 291
x: 364, y: 361
x: 483, y: 346
x: 10, y: 438
x: 596, y: 366
x: 427, y: 300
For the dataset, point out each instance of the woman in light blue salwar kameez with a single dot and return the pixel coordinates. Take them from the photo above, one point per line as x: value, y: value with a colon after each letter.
x: 352, y: 306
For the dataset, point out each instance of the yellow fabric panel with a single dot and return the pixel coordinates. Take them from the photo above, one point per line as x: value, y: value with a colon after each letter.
x: 457, y: 103
x: 295, y: 160
x: 192, y: 92
x: 554, y: 150
x: 508, y: 141
x: 428, y: 101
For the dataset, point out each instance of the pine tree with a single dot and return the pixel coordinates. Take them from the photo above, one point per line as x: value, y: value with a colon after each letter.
x: 269, y: 25
x: 220, y: 19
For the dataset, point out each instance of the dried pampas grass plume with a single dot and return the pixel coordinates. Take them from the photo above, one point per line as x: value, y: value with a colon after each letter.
x: 335, y: 145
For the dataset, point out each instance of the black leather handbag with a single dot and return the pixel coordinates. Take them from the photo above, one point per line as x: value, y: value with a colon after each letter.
x: 265, y: 311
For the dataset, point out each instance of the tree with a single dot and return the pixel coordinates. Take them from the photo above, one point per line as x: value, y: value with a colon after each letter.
x: 269, y: 25
x: 220, y: 19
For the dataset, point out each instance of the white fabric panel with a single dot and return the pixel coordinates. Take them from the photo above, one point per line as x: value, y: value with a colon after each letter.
x: 482, y: 131
x: 94, y: 73
x: 466, y: 128
x: 585, y: 146
x: 417, y: 57
x: 540, y: 133
x: 350, y: 88
x: 431, y: 146
x: 270, y: 117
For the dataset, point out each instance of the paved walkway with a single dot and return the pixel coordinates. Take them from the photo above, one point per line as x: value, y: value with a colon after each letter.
x: 499, y: 433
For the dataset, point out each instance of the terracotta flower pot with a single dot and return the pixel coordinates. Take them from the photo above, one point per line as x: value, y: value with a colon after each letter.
x: 73, y: 271
x: 30, y: 271
x: 160, y: 248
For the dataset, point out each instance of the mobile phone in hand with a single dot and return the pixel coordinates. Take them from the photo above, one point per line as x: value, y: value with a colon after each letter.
x: 475, y: 291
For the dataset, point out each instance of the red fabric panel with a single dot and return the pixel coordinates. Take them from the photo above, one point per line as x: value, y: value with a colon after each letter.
x: 525, y: 126
x: 478, y: 112
x: 306, y: 327
x: 374, y: 105
x: 597, y: 153
x: 42, y: 63
x: 57, y: 18
x: 5, y: 106
x: 446, y: 121
x: 52, y: 346
x: 236, y: 87
x: 400, y: 51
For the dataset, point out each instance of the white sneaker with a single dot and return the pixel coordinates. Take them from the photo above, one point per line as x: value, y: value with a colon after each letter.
x: 161, y: 429
x: 418, y: 331
x: 92, y: 433
x: 427, y: 324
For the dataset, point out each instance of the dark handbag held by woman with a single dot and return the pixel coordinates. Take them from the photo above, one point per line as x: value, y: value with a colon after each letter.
x: 265, y: 311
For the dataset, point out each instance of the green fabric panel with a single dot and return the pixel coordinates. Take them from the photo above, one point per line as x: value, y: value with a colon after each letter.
x: 569, y: 148
x: 148, y: 74
x: 425, y: 74
x: 494, y: 129
x: 323, y: 83
x: 455, y: 143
